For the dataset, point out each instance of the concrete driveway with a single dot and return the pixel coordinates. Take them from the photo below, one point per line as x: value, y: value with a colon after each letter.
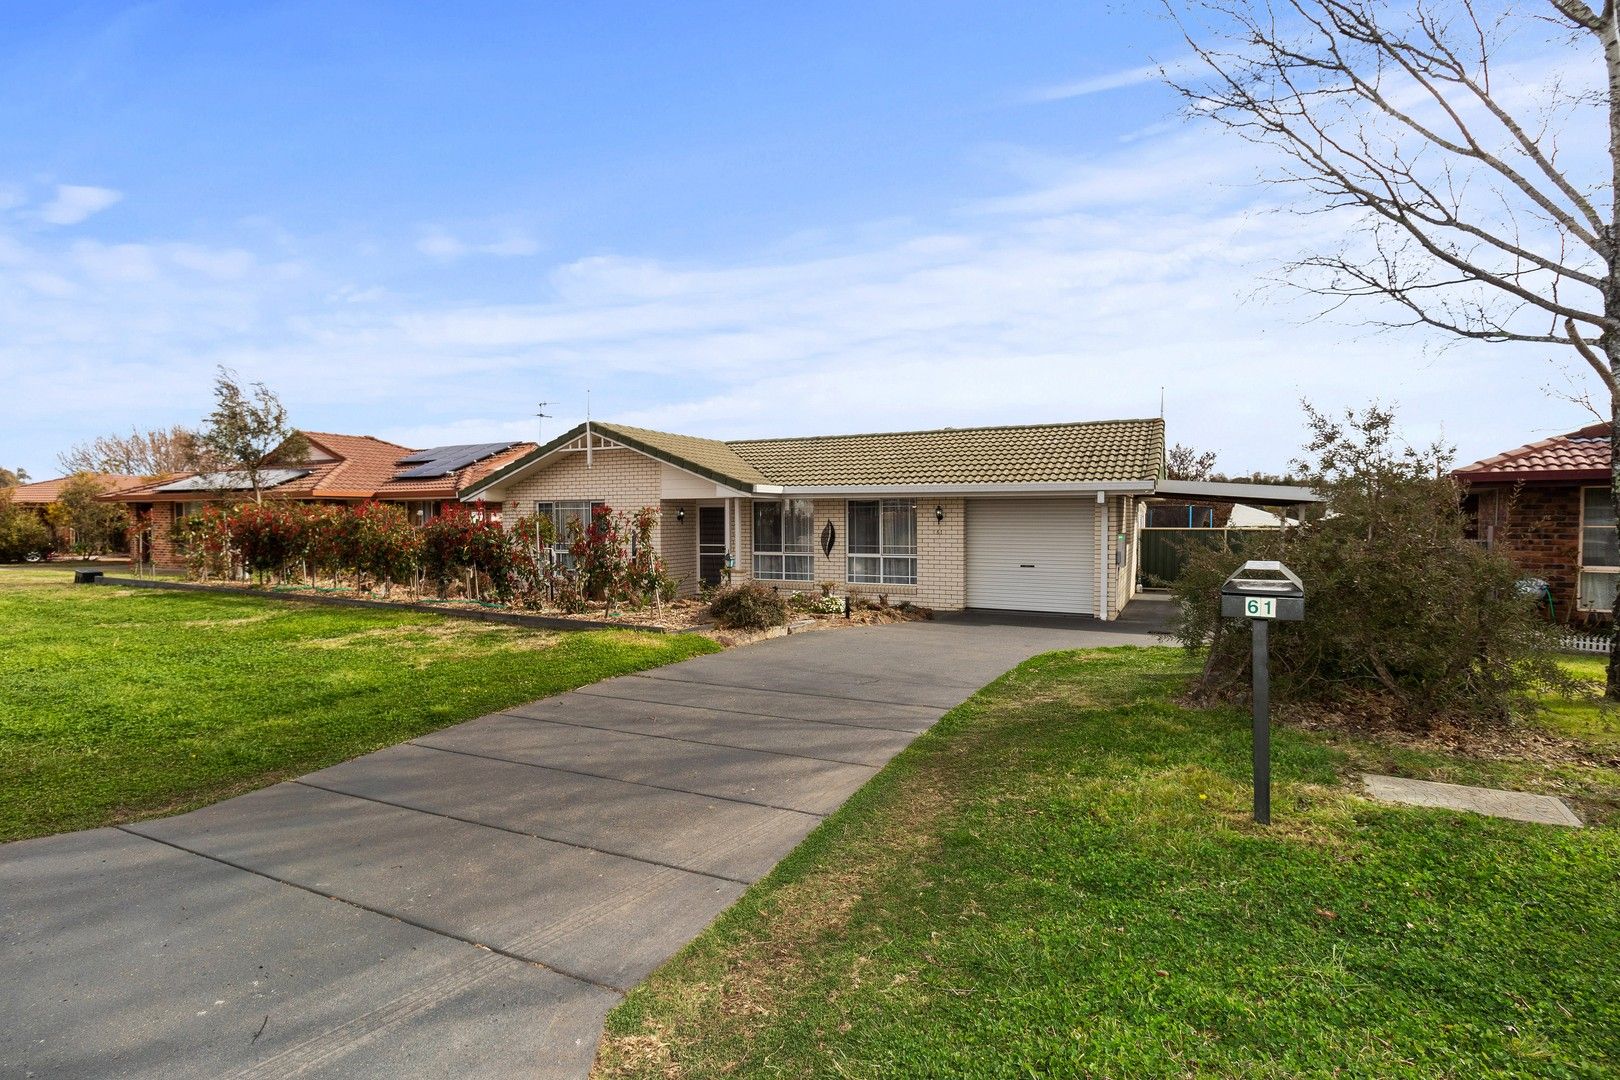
x: 470, y: 903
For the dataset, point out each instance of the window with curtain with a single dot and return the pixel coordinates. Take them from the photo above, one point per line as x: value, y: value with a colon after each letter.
x: 564, y: 516
x: 882, y: 538
x: 784, y: 540
x: 1600, y: 554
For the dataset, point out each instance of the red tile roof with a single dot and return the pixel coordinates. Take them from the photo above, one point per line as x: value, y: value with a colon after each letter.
x: 356, y: 467
x: 1577, y: 455
x: 44, y: 492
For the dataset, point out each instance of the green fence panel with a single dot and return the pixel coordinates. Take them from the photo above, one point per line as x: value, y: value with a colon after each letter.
x: 1164, y: 551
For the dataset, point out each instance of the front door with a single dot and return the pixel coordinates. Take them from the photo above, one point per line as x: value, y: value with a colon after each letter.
x: 711, y: 544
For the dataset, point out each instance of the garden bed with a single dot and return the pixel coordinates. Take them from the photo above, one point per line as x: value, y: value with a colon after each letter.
x: 685, y: 615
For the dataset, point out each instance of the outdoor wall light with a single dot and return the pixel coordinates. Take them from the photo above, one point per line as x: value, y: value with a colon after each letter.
x: 939, y: 512
x: 680, y: 515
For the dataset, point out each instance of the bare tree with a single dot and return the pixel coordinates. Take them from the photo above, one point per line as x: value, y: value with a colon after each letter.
x: 1476, y: 176
x: 158, y: 452
x: 1187, y: 463
x: 247, y: 434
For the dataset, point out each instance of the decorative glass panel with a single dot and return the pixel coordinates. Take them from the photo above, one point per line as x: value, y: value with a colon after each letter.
x: 1598, y: 591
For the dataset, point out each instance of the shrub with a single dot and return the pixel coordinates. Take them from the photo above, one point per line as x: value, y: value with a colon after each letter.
x: 382, y: 544
x: 749, y: 606
x: 270, y: 537
x: 1405, y: 615
x: 21, y: 532
x: 204, y: 540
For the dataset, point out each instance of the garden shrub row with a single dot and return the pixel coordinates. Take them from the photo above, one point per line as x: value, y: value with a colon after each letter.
x: 373, y: 546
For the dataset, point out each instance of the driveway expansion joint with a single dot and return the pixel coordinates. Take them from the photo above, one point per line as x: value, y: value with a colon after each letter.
x: 620, y: 779
x: 521, y: 832
x: 577, y: 977
x: 593, y: 691
x: 800, y: 693
x: 683, y: 739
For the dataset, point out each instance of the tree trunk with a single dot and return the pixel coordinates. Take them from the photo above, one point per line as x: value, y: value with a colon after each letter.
x: 1612, y: 682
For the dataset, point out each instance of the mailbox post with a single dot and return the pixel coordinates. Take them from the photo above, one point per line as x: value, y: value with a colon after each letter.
x: 1262, y: 600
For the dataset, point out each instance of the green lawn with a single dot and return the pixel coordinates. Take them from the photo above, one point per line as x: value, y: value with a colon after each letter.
x: 1592, y: 719
x: 1061, y: 879
x: 119, y: 704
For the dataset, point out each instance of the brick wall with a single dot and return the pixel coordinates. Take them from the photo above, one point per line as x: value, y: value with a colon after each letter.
x: 1540, y: 529
x: 159, y: 530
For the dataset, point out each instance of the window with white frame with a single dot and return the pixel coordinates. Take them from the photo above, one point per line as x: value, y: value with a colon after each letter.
x: 564, y: 517
x: 1600, y: 553
x: 881, y: 535
x: 784, y: 540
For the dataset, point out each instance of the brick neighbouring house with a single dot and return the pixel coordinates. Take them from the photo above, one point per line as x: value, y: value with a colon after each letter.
x: 1035, y: 518
x: 1548, y: 503
x: 41, y: 495
x: 337, y: 469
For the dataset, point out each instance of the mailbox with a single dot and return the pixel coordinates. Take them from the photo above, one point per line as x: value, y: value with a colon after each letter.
x: 1262, y: 600
x: 1246, y: 596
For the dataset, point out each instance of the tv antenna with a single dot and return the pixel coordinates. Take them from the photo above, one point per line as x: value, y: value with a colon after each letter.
x: 541, y: 416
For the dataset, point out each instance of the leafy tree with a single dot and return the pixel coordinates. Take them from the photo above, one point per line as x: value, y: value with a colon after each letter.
x: 79, y: 509
x: 1405, y: 615
x: 12, y: 477
x: 1186, y: 463
x: 21, y: 532
x: 1474, y: 202
x: 248, y: 434
x: 158, y: 452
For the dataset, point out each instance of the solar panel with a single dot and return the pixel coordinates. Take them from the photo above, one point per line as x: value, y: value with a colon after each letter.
x: 233, y: 481
x: 444, y: 460
x: 422, y: 457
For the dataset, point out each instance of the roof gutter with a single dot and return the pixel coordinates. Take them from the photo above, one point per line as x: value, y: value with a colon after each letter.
x: 1066, y: 488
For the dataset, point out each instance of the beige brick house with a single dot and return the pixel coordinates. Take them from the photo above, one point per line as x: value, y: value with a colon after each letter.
x: 1031, y: 518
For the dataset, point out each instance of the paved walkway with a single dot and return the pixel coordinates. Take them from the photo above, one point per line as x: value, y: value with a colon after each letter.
x: 474, y: 901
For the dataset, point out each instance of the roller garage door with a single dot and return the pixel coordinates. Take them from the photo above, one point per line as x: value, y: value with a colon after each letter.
x: 1031, y: 555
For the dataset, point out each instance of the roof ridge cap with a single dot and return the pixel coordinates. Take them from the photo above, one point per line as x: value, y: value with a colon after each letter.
x: 950, y: 430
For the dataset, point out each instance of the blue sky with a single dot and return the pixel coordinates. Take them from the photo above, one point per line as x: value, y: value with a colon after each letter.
x: 415, y: 221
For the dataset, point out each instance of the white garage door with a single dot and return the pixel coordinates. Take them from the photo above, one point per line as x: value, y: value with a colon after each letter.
x: 1030, y: 555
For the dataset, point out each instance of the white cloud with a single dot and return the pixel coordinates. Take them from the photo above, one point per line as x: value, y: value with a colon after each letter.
x: 1079, y: 293
x: 441, y: 244
x: 74, y: 203
x: 1115, y: 80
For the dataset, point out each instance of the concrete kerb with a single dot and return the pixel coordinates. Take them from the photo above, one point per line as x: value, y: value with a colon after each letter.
x: 510, y: 618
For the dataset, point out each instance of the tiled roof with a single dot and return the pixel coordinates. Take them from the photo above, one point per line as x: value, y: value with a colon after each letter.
x: 43, y: 492
x: 1577, y: 455
x: 1103, y: 450
x: 362, y: 467
x: 447, y: 487
x: 1088, y: 452
x: 710, y: 457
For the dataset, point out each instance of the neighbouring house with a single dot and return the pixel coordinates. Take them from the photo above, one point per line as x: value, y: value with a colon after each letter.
x: 336, y: 469
x: 1549, y: 504
x: 1031, y: 518
x: 41, y: 495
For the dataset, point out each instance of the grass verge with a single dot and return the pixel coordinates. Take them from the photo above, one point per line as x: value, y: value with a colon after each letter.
x: 1061, y: 879
x: 121, y: 704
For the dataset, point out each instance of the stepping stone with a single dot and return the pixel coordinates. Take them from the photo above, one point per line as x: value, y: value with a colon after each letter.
x: 1492, y: 802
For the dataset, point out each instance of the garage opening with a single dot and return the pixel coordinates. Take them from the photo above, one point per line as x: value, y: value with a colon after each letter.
x: 1031, y: 555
